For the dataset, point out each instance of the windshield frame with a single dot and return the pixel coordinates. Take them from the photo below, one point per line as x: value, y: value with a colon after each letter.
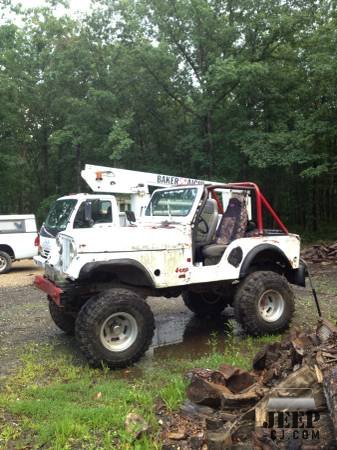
x: 175, y: 219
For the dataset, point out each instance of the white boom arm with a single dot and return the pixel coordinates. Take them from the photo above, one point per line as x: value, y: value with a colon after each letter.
x: 121, y: 181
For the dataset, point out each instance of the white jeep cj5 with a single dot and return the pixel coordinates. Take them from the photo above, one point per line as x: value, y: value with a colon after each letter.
x: 206, y: 243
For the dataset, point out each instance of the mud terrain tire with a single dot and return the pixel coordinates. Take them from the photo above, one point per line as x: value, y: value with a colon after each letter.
x: 264, y: 303
x: 5, y: 263
x: 205, y: 304
x: 114, y: 328
x: 65, y: 321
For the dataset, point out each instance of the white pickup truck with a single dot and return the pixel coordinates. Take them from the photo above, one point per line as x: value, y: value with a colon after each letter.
x: 18, y: 239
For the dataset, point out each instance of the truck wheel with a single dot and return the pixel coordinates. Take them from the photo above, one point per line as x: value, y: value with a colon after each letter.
x: 64, y: 320
x: 205, y: 304
x: 264, y: 303
x: 5, y: 262
x: 115, y: 328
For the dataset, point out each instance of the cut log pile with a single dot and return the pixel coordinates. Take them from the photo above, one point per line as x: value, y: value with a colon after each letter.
x: 321, y: 253
x: 288, y: 400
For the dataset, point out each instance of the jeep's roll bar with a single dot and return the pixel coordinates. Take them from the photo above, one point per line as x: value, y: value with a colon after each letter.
x: 261, y: 202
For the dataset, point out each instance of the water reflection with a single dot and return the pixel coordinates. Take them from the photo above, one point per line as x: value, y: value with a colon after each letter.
x: 185, y: 335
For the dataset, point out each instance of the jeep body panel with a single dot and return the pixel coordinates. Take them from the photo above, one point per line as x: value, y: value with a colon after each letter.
x: 162, y: 245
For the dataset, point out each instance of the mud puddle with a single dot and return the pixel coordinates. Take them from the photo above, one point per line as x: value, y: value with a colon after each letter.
x: 185, y: 335
x: 178, y: 335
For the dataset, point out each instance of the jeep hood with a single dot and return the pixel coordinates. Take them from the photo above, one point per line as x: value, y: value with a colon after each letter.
x: 130, y: 239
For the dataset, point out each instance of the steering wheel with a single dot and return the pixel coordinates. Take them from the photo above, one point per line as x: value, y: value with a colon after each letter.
x: 204, y: 228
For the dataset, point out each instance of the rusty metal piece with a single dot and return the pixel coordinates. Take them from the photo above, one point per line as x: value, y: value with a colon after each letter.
x: 242, y: 400
x: 203, y: 392
x: 239, y: 380
x: 325, y: 330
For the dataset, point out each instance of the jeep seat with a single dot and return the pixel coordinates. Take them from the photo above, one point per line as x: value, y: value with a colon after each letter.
x: 232, y: 226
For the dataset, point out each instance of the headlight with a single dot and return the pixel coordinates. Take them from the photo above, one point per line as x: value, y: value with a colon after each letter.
x: 59, y: 245
x: 72, y: 250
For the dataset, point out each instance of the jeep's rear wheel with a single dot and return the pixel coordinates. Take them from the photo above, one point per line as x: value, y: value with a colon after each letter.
x: 115, y: 328
x: 205, y: 303
x: 64, y: 320
x: 5, y: 262
x: 264, y: 303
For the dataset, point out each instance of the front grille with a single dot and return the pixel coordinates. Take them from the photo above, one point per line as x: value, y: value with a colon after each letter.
x: 45, y: 253
x: 65, y: 253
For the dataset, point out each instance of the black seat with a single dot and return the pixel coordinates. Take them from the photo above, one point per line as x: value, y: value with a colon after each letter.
x: 232, y: 226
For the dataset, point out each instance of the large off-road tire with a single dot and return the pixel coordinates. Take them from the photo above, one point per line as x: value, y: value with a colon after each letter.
x: 205, y: 303
x: 264, y: 303
x: 5, y: 263
x: 114, y: 328
x: 64, y: 320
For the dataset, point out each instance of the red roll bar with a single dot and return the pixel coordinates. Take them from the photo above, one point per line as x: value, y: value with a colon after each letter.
x: 260, y: 202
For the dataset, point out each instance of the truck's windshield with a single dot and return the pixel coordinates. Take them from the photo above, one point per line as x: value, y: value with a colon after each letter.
x: 174, y: 203
x: 59, y: 215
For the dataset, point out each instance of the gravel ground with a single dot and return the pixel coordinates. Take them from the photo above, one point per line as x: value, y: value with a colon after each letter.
x: 21, y: 274
x: 24, y: 316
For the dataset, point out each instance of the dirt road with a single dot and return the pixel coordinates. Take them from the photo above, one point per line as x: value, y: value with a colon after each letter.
x: 21, y: 274
x: 24, y: 316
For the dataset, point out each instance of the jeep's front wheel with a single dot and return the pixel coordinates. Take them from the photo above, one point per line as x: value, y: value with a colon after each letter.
x: 115, y: 328
x: 264, y: 303
x: 205, y: 303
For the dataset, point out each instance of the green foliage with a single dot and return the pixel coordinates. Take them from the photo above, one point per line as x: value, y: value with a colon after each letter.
x: 192, y: 87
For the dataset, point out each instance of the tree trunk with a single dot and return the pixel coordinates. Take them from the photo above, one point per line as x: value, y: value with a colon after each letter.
x: 209, y: 145
x: 78, y: 167
x: 45, y: 165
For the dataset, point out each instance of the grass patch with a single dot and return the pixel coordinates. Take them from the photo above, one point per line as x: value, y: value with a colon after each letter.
x: 53, y: 403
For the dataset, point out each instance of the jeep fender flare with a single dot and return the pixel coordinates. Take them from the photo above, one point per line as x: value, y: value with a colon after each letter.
x: 124, y: 269
x: 258, y: 252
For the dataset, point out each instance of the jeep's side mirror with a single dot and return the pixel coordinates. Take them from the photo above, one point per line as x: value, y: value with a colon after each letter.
x: 88, y: 213
x: 130, y: 215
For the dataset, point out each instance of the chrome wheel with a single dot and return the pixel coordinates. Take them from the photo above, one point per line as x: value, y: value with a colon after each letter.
x: 3, y: 263
x: 271, y: 305
x: 118, y: 332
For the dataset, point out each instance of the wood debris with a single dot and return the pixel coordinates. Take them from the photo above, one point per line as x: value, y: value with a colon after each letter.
x: 230, y: 408
x: 321, y: 253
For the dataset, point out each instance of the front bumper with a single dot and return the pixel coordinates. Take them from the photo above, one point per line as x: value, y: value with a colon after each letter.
x: 40, y: 261
x: 49, y: 288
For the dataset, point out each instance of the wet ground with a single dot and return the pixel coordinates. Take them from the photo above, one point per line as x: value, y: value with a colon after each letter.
x: 24, y: 319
